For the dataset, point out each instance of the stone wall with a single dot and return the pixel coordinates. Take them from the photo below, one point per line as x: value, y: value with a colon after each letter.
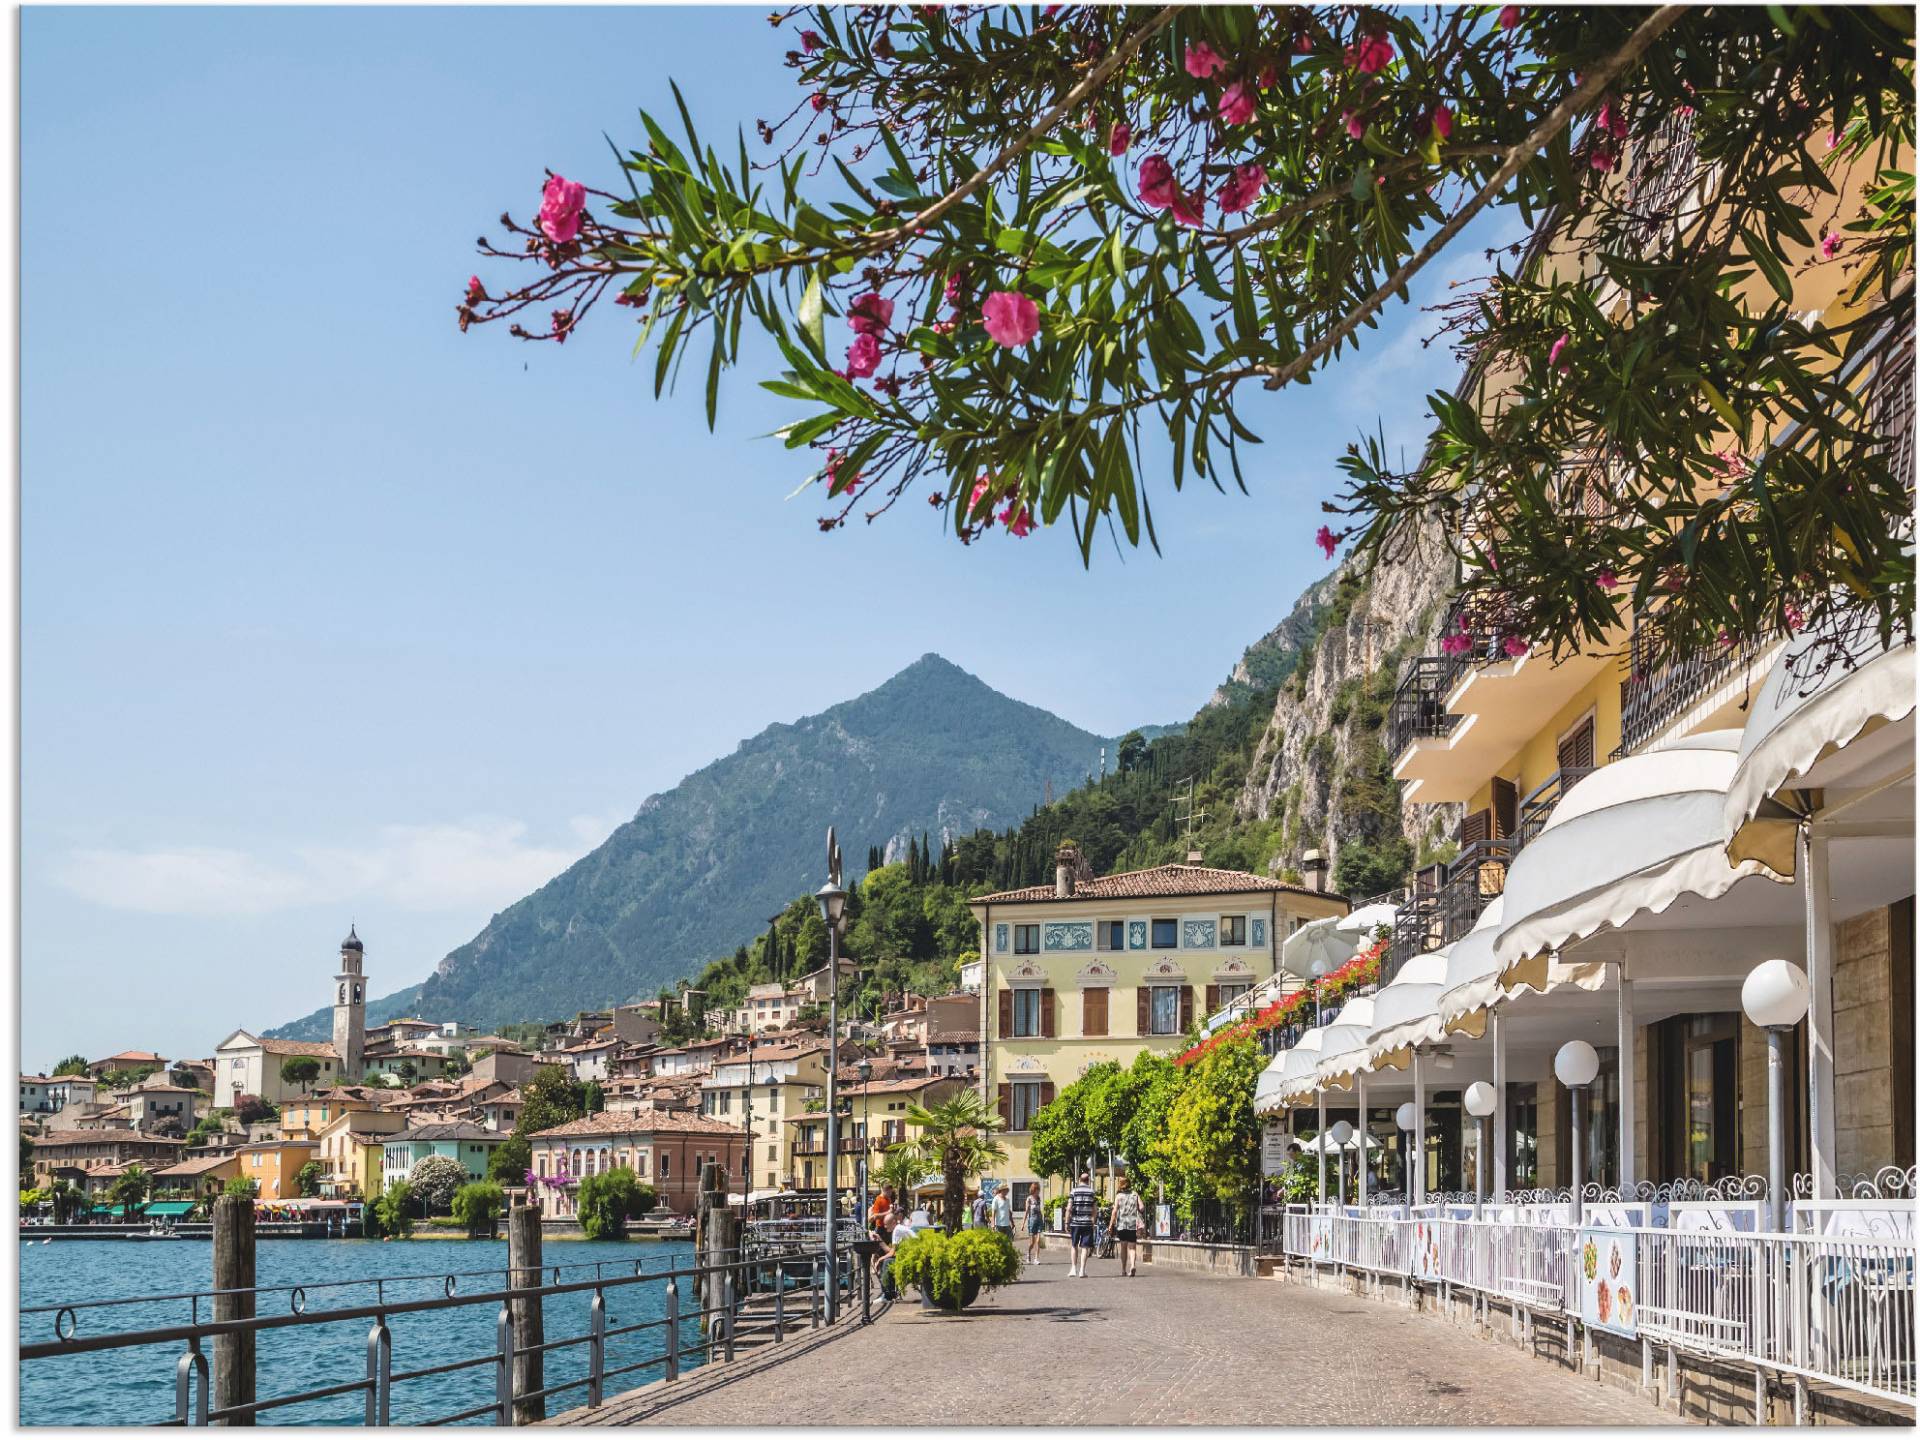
x: 1862, y: 1043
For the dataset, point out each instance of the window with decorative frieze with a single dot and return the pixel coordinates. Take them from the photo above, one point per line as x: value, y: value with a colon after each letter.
x: 1026, y: 939
x: 1166, y: 934
x: 1233, y: 929
x: 1110, y: 934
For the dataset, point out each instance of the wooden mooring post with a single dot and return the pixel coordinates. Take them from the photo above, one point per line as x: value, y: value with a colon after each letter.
x: 529, y: 1329
x: 716, y: 1244
x: 233, y: 1354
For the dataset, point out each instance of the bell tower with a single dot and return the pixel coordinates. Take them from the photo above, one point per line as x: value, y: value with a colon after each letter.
x: 350, y: 1010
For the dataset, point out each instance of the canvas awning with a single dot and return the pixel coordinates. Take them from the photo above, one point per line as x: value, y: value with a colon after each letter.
x: 1266, y: 1086
x: 1473, y: 973
x: 1343, y: 1043
x: 1827, y: 730
x: 1404, y: 1012
x: 164, y: 1208
x: 1300, y: 1073
x: 1632, y: 837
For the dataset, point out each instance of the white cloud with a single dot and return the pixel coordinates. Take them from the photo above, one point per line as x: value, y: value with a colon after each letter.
x: 429, y: 868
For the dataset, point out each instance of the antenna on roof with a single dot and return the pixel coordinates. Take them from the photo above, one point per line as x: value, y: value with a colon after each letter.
x: 1192, y: 815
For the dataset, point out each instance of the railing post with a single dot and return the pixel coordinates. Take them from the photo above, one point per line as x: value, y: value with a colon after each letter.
x: 379, y: 1374
x: 673, y: 1329
x: 597, y: 1348
x: 779, y: 1301
x: 726, y: 1316
x: 503, y: 1371
x: 866, y: 1292
x: 233, y: 1354
x: 189, y: 1407
x: 813, y: 1294
x: 529, y: 1326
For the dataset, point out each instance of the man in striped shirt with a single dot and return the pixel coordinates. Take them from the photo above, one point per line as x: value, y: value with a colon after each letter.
x: 1081, y: 1206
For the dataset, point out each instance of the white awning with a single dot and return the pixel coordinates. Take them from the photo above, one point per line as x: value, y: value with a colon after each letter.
x: 1848, y: 730
x: 1300, y: 1072
x: 1631, y: 837
x: 1266, y: 1087
x: 1343, y: 1043
x: 1405, y: 1012
x: 1473, y: 970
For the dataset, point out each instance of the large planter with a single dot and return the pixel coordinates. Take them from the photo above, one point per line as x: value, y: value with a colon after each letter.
x: 952, y: 1306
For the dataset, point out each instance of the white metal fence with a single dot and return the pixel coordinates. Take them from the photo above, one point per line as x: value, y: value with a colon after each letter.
x: 1837, y: 1308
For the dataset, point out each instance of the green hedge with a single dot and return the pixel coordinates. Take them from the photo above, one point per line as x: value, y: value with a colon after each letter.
x: 943, y: 1264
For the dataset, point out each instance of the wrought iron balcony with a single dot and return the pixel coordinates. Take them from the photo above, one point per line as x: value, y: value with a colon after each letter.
x: 1419, y: 708
x: 1446, y: 906
x: 1655, y: 695
x: 1535, y: 809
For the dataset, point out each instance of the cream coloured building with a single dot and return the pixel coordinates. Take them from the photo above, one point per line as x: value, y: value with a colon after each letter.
x: 1093, y: 969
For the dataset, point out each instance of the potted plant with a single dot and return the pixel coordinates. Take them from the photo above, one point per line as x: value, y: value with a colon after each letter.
x: 951, y: 1270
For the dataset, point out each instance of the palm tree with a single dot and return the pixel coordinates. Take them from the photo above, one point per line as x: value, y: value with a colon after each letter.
x: 956, y: 1138
x: 67, y: 1198
x: 130, y: 1188
x: 902, y: 1169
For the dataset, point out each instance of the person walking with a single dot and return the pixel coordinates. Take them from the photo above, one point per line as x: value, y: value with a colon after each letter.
x: 1129, y: 1217
x: 1081, y: 1206
x: 1035, y: 1220
x: 1003, y: 1213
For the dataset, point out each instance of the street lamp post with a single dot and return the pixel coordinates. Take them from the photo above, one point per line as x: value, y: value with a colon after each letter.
x: 1575, y: 1065
x: 1776, y: 997
x: 1341, y: 1133
x: 833, y: 906
x: 1405, y: 1117
x: 1480, y: 1102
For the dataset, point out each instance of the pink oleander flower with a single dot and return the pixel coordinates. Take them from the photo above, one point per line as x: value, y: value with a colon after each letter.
x: 561, y: 204
x: 1188, y: 210
x: 1018, y: 519
x: 1243, y: 187
x: 1725, y: 640
x: 1443, y: 122
x: 1236, y: 103
x: 1613, y: 119
x: 1157, y: 186
x: 837, y: 482
x: 943, y: 327
x: 819, y: 101
x: 1011, y: 318
x: 1509, y: 16
x: 1356, y: 127
x: 1119, y: 138
x: 871, y: 314
x: 954, y: 282
x: 1303, y: 43
x: 980, y: 488
x: 1202, y: 62
x: 863, y: 356
x: 1514, y: 646
x: 1556, y: 356
x: 1829, y: 246
x: 1607, y: 580
x: 1323, y: 537
x: 1268, y: 77
x: 1794, y: 617
x: 1370, y: 54
x: 476, y: 292
x: 1731, y: 461
x: 1457, y: 643
x: 562, y: 323
x: 810, y: 41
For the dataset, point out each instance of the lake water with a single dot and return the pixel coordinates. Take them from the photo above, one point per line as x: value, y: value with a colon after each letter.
x: 135, y: 1385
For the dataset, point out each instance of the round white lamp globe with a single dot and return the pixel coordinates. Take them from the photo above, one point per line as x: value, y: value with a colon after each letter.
x: 1776, y: 995
x: 1340, y: 1132
x: 1480, y: 1099
x: 1404, y: 1117
x: 1576, y: 1064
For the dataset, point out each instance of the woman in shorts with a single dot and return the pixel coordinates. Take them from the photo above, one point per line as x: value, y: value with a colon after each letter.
x: 1128, y: 1215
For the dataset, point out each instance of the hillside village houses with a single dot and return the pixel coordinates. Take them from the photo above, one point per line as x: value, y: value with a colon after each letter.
x: 664, y: 1149
x: 1090, y: 969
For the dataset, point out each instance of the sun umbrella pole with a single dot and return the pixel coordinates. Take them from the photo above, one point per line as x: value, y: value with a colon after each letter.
x: 1320, y: 1143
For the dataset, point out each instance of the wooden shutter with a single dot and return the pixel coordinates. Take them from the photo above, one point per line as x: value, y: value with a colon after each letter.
x: 1046, y: 1013
x: 1576, y: 749
x: 1145, y: 993
x: 1213, y: 998
x: 1186, y: 1008
x: 1475, y: 827
x: 1093, y: 1010
x: 1046, y: 1093
x: 1006, y: 1013
x: 1006, y: 1104
x: 1506, y: 808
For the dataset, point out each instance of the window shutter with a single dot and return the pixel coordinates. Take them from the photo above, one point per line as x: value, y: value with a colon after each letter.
x: 1506, y: 808
x: 1046, y: 1093
x: 1046, y: 1013
x: 1186, y: 1008
x: 1006, y: 1013
x: 1145, y: 994
x: 1213, y: 998
x: 1576, y: 751
x: 1006, y: 1104
x: 1475, y: 827
x: 1093, y: 1011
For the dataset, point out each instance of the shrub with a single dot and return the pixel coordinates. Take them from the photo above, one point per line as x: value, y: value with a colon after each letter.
x: 435, y: 1180
x: 604, y: 1201
x: 947, y: 1267
x: 394, y: 1210
x: 240, y: 1185
x: 478, y: 1205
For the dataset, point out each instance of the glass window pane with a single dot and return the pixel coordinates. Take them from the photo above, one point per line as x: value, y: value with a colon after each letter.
x: 1166, y: 1010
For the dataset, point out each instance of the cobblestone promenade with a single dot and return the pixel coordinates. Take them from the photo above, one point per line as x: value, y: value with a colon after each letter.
x: 1165, y: 1348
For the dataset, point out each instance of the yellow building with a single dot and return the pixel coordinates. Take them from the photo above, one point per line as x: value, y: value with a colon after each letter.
x: 351, y: 1149
x: 272, y: 1165
x: 1093, y: 969
x: 873, y: 1117
x: 309, y: 1115
x: 761, y: 1088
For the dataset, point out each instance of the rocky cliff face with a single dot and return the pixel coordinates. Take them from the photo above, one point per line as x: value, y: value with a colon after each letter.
x: 1272, y: 659
x: 1321, y: 767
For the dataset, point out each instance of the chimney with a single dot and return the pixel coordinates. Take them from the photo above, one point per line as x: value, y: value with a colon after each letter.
x: 1193, y: 857
x: 1314, y: 865
x: 1066, y: 867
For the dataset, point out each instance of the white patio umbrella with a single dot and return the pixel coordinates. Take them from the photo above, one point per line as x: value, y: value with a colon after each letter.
x: 1332, y: 941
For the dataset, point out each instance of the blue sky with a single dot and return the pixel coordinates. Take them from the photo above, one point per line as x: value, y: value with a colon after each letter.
x: 331, y: 613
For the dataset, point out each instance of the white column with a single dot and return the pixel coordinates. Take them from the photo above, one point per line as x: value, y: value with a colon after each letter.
x: 1819, y: 903
x: 1627, y: 1174
x: 1499, y: 1156
x: 1418, y: 1168
x: 1320, y: 1142
x: 1360, y: 1091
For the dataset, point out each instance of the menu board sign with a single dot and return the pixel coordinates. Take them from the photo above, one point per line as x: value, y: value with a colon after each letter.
x: 1607, y: 1267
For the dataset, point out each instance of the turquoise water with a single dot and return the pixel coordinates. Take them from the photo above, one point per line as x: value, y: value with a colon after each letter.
x: 135, y: 1385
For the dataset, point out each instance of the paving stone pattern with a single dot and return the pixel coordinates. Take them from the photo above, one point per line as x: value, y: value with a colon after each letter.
x: 1167, y: 1348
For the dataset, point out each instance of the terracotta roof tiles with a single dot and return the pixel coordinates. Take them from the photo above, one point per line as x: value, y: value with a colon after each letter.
x: 1170, y: 881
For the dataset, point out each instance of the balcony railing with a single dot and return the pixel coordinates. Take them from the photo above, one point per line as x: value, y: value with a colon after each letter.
x: 1656, y: 694
x: 1419, y: 710
x: 1538, y: 806
x: 1444, y: 907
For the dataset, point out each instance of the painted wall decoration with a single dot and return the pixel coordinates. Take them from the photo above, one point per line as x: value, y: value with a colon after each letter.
x: 1096, y: 972
x: 1197, y: 934
x: 1257, y: 929
x: 1136, y: 934
x: 1000, y: 937
x: 1067, y: 935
